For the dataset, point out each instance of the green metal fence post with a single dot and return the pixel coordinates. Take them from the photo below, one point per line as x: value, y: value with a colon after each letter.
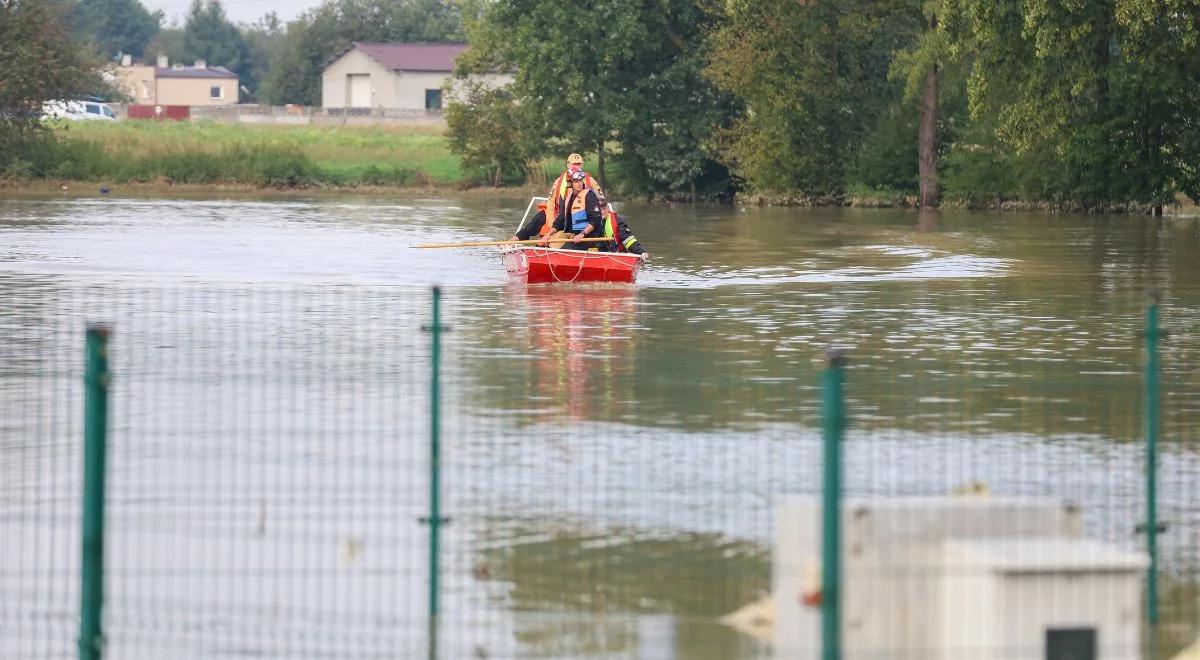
x: 833, y: 421
x: 435, y: 518
x: 95, y: 428
x: 1153, y: 333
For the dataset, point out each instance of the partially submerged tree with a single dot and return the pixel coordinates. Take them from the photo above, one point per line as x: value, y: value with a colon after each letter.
x: 1091, y: 104
x: 813, y: 79
x: 620, y: 78
x: 922, y: 67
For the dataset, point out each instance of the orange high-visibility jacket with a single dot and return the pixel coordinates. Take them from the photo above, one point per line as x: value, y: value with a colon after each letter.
x: 558, y: 192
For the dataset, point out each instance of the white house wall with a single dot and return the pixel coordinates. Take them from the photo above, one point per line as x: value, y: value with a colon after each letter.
x: 333, y: 81
x: 390, y: 89
x: 409, y: 87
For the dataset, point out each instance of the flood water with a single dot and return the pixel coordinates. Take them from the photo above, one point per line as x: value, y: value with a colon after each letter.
x: 611, y: 454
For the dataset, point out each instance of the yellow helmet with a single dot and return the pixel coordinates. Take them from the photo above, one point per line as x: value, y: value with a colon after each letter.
x: 574, y: 159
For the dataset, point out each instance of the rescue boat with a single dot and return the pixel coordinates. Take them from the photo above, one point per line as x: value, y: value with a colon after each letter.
x: 539, y: 265
x: 546, y: 265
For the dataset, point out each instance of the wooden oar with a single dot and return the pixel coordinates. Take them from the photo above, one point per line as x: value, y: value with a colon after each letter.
x: 600, y: 239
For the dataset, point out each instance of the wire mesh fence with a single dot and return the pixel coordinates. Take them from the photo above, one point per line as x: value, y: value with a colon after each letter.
x: 269, y: 479
x: 266, y: 461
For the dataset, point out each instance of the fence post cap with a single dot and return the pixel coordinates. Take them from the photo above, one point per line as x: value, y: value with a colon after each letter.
x: 837, y: 357
x: 103, y: 330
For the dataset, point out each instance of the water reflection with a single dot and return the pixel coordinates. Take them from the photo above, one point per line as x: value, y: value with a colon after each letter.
x: 581, y: 345
x: 594, y: 593
x: 555, y: 354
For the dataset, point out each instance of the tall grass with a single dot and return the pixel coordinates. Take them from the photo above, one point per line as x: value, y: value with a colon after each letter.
x: 206, y: 152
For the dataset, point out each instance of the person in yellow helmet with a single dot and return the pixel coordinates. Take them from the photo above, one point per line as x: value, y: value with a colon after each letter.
x: 580, y: 214
x: 541, y: 223
x: 562, y: 187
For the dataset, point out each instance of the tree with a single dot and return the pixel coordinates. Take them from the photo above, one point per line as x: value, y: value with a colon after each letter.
x: 210, y: 36
x: 42, y: 62
x: 482, y: 127
x: 813, y: 79
x: 325, y: 32
x: 618, y: 72
x: 923, y: 66
x: 117, y: 27
x: 169, y: 42
x: 1155, y: 73
x: 264, y: 43
x: 1091, y: 102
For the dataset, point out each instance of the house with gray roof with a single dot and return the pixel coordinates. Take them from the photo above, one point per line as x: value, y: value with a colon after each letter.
x: 392, y: 75
x: 167, y: 84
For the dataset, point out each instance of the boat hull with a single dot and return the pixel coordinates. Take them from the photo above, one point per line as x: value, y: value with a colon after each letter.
x: 536, y: 265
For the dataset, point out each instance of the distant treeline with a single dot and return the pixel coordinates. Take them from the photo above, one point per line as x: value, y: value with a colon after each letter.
x: 1083, y: 104
x: 1086, y: 104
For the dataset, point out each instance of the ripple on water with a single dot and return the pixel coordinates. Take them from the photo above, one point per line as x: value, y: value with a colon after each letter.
x: 925, y: 267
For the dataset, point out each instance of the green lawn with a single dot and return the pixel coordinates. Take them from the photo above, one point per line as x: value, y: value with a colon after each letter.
x: 207, y: 152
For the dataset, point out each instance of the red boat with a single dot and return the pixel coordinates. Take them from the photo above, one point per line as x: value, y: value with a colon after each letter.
x: 538, y: 265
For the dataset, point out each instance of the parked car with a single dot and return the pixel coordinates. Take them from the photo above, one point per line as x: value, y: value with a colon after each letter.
x: 78, y: 111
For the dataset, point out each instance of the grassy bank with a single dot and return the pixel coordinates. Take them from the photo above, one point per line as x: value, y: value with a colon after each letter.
x: 207, y: 155
x: 258, y: 156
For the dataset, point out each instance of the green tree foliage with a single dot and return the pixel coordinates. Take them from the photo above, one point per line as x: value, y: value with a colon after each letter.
x: 323, y: 33
x: 116, y: 27
x: 169, y: 42
x: 887, y: 158
x: 1091, y: 101
x: 264, y: 44
x: 813, y: 77
x: 932, y: 70
x: 482, y: 126
x: 619, y: 76
x: 42, y: 62
x: 210, y: 36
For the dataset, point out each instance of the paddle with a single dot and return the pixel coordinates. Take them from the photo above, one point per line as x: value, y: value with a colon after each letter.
x: 600, y: 239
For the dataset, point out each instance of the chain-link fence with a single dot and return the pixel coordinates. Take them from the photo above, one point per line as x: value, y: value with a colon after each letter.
x: 270, y: 482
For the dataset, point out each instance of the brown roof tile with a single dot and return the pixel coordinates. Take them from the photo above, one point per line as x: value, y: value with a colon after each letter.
x: 412, y: 57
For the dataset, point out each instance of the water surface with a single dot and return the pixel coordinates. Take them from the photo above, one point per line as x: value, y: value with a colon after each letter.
x: 611, y: 454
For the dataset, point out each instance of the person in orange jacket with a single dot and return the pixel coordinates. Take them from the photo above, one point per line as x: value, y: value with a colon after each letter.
x: 614, y: 226
x: 541, y: 223
x: 562, y: 188
x: 579, y: 214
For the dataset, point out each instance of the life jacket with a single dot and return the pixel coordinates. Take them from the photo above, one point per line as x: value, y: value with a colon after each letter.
x: 558, y: 193
x: 553, y: 200
x: 578, y: 212
x: 612, y: 230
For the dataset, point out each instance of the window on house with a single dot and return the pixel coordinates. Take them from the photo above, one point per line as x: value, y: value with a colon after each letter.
x: 216, y: 92
x: 145, y: 89
x: 433, y: 99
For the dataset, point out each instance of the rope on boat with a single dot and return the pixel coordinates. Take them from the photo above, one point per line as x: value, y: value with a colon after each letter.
x: 577, y: 273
